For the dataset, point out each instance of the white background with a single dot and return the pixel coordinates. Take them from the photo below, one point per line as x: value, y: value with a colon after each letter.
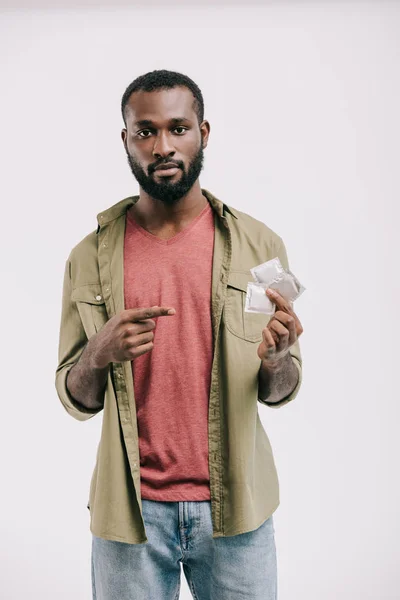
x: 305, y: 96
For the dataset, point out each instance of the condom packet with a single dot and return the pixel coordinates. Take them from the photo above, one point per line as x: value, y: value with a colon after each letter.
x: 271, y: 274
x: 267, y: 271
x: 257, y: 300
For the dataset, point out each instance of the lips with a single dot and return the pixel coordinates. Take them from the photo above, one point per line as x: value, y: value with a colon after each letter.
x: 166, y: 166
x: 167, y: 170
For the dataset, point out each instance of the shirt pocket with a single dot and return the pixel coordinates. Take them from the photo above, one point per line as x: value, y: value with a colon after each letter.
x: 91, y: 307
x: 247, y: 326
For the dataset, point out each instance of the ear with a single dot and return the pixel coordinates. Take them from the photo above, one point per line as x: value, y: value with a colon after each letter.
x: 205, y: 133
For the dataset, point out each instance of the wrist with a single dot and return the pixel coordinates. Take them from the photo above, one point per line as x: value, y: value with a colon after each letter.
x: 276, y: 365
x: 98, y: 359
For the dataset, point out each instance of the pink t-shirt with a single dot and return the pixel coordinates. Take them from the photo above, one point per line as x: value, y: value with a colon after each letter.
x: 172, y: 381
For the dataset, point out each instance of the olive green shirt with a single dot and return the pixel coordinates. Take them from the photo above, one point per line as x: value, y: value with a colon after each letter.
x: 244, y: 485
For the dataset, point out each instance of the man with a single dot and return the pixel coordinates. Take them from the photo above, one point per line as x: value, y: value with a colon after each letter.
x: 154, y: 333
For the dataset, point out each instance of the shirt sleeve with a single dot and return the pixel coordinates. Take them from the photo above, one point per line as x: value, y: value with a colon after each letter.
x: 295, y: 348
x: 72, y: 341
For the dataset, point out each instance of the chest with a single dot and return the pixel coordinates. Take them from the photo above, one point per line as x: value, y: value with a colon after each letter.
x: 179, y: 272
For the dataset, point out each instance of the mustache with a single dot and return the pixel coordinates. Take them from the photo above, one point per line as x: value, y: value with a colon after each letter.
x: 151, y: 168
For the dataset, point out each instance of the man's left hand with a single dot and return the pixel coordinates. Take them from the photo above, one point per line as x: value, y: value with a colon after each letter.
x: 281, y: 332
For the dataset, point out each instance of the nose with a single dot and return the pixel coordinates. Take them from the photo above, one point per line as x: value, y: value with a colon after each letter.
x: 163, y: 147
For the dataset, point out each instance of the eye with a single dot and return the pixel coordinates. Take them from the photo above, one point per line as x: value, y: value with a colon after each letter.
x: 180, y: 127
x: 143, y: 131
x: 149, y: 131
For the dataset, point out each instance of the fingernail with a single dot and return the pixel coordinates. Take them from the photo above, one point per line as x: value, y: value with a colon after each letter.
x: 171, y: 311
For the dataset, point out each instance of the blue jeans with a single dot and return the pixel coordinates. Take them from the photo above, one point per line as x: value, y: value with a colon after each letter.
x: 237, y: 567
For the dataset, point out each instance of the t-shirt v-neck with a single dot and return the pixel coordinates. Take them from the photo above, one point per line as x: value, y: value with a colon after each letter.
x: 177, y: 237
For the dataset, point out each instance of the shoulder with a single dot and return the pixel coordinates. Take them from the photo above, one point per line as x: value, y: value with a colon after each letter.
x: 85, y: 251
x: 85, y: 248
x: 83, y: 263
x: 252, y: 229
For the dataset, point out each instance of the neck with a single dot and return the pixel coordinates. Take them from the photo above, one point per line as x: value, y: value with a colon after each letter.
x: 154, y: 214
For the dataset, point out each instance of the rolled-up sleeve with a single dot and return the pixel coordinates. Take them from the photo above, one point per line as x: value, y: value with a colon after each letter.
x: 72, y: 341
x: 295, y: 352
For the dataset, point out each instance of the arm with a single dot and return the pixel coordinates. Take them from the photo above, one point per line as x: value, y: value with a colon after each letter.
x: 85, y: 381
x: 85, y: 363
x: 280, y: 384
x: 74, y: 345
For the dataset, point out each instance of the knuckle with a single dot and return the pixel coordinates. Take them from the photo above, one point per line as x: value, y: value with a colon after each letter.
x: 126, y: 345
x: 128, y: 331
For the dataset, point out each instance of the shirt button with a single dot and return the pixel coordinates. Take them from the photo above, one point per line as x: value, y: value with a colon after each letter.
x: 98, y: 297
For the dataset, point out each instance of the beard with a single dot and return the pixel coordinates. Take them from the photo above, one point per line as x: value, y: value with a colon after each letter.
x: 167, y: 190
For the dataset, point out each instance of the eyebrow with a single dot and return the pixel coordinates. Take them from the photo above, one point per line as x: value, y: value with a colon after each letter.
x: 149, y: 123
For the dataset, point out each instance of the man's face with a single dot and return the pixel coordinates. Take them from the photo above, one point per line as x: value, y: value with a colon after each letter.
x: 162, y: 127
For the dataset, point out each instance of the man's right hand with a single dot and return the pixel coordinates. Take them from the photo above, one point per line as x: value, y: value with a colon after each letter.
x: 126, y: 335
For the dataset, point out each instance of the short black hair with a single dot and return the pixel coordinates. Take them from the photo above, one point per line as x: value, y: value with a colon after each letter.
x: 162, y: 79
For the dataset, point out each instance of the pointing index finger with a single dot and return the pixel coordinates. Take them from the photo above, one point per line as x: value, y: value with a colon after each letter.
x: 138, y: 314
